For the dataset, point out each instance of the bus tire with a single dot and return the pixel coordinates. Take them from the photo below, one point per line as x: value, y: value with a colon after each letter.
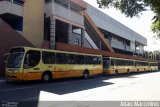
x: 85, y: 74
x: 116, y: 72
x: 47, y: 76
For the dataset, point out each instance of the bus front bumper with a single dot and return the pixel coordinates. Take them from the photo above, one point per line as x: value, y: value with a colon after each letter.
x: 16, y: 76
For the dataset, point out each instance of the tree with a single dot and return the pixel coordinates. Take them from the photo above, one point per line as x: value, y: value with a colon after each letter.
x: 133, y: 8
x: 157, y: 53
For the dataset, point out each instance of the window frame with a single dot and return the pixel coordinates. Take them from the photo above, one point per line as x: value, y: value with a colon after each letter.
x: 25, y: 66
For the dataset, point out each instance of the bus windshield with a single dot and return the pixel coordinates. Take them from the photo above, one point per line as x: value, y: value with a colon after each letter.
x: 15, y: 60
x: 106, y: 63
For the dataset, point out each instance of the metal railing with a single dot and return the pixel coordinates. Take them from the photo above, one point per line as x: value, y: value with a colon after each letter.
x: 117, y: 45
x: 19, y: 2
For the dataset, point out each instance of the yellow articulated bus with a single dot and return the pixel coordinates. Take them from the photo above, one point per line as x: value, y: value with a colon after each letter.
x: 26, y: 63
x: 153, y: 66
x: 120, y: 65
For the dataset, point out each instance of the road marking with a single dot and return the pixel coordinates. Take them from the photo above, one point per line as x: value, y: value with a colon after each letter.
x: 14, y: 89
x: 30, y: 99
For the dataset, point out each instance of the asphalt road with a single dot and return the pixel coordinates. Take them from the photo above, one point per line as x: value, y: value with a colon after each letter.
x: 141, y: 86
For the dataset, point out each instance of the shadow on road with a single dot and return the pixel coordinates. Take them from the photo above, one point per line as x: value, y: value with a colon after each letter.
x: 20, y: 91
x: 77, y: 85
x: 26, y: 90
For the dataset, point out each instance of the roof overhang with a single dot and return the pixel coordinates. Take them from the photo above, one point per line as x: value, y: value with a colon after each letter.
x: 80, y: 3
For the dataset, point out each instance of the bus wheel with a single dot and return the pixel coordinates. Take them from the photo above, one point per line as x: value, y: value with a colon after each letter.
x: 128, y: 71
x: 116, y: 72
x: 86, y: 74
x: 46, y: 77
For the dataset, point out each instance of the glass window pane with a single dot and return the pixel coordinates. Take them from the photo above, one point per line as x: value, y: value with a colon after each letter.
x: 72, y: 59
x: 61, y: 58
x: 112, y: 62
x: 80, y: 59
x: 88, y: 60
x: 32, y: 59
x: 106, y: 63
x: 48, y: 57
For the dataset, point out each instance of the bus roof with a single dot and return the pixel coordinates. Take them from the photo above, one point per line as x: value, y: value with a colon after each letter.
x: 50, y: 50
x: 127, y: 59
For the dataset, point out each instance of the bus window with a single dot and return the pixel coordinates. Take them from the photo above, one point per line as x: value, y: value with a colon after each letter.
x: 32, y: 59
x: 99, y: 60
x: 48, y: 57
x: 112, y: 62
x: 135, y: 63
x: 106, y: 63
x: 88, y: 60
x: 15, y: 50
x: 61, y: 58
x: 96, y: 60
x: 14, y: 60
x: 72, y: 59
x: 129, y: 63
x: 80, y: 59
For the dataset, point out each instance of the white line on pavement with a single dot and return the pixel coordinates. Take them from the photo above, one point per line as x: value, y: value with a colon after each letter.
x: 30, y: 99
x: 14, y: 89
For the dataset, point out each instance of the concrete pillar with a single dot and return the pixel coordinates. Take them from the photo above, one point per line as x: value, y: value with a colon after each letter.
x: 83, y: 38
x: 52, y: 34
x: 154, y: 56
x: 33, y: 21
x: 70, y: 34
x: 151, y: 56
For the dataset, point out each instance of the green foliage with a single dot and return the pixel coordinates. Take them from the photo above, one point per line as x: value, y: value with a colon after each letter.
x: 156, y: 28
x: 157, y: 52
x: 133, y: 8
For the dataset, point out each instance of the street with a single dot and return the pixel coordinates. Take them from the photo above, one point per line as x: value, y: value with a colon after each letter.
x: 135, y: 87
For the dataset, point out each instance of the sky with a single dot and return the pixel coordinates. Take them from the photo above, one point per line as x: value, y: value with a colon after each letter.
x: 140, y: 25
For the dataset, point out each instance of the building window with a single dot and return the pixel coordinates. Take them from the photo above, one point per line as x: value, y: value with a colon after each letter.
x: 76, y: 30
x: 76, y: 41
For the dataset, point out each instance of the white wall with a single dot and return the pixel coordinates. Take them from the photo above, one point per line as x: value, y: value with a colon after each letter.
x: 9, y: 7
x: 58, y: 10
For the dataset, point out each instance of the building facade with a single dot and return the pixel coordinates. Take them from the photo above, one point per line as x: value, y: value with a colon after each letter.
x: 120, y: 37
x: 56, y: 23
